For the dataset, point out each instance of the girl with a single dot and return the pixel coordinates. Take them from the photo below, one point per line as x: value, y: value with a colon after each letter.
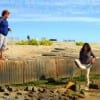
x: 86, y: 59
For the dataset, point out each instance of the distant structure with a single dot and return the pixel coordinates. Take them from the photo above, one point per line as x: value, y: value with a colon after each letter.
x: 53, y: 39
x: 69, y: 40
x: 28, y: 37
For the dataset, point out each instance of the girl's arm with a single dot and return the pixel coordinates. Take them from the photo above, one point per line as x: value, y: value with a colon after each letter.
x: 92, y: 54
x: 94, y: 58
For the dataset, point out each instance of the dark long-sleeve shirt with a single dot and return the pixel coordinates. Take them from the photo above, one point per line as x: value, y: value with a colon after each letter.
x: 3, y: 26
x: 85, y: 58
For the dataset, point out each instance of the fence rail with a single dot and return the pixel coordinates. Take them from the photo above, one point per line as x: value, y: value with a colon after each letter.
x: 22, y: 71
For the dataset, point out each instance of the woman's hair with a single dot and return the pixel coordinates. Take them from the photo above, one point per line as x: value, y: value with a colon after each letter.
x: 4, y: 12
x: 88, y: 47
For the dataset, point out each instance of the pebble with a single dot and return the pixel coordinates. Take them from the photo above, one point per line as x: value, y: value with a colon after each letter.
x: 19, y: 93
x: 2, y: 89
x: 6, y: 94
x: 34, y: 89
x: 16, y: 97
x: 9, y: 89
x: 30, y: 95
x: 26, y: 89
x: 42, y: 90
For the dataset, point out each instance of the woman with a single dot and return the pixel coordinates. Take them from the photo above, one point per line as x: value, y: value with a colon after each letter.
x: 86, y: 55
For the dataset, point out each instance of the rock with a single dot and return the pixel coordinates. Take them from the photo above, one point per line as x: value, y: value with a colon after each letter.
x: 6, y: 94
x: 93, y: 86
x: 9, y: 89
x: 30, y: 95
x: 2, y: 89
x: 16, y: 97
x: 30, y: 88
x: 19, y: 93
x: 63, y: 95
x: 26, y: 89
x: 51, y: 91
x: 82, y: 92
x: 34, y: 89
x: 42, y: 90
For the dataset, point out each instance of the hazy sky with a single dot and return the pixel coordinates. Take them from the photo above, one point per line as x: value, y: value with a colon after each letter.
x: 62, y: 19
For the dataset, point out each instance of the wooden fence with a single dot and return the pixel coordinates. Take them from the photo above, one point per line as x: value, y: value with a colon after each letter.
x: 22, y: 71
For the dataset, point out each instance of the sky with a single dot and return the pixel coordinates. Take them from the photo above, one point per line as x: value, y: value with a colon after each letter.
x: 61, y: 19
